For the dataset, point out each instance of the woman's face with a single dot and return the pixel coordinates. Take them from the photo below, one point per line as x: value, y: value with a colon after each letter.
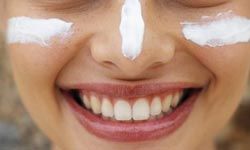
x: 91, y: 63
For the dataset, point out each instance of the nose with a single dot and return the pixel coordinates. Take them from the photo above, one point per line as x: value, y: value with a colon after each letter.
x: 157, y: 50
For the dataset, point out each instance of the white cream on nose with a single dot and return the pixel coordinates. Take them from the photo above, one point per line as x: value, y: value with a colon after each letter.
x: 132, y: 28
x: 223, y: 29
x: 39, y: 31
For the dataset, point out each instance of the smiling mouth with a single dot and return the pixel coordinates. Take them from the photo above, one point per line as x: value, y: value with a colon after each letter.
x: 124, y: 113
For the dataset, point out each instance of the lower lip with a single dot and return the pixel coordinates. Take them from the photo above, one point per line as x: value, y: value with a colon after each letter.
x: 128, y: 131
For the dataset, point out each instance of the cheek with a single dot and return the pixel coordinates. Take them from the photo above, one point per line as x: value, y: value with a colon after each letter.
x: 230, y: 66
x: 35, y: 70
x: 228, y: 63
x: 35, y: 62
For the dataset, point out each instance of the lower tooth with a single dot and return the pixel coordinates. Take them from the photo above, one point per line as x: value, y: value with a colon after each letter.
x: 160, y: 116
x: 152, y: 118
x: 105, y: 118
x: 169, y: 111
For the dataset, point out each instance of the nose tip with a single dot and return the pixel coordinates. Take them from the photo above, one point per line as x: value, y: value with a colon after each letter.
x: 155, y: 53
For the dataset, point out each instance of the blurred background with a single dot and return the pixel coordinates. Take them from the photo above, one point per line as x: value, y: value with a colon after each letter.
x: 17, y: 131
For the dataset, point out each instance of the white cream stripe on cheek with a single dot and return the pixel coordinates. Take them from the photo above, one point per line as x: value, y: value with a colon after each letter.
x: 39, y: 31
x: 132, y: 28
x: 223, y: 30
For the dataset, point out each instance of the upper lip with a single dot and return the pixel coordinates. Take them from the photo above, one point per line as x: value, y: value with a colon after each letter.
x: 131, y: 91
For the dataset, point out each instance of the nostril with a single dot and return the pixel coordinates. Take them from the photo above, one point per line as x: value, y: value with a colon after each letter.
x: 109, y: 64
x: 156, y: 65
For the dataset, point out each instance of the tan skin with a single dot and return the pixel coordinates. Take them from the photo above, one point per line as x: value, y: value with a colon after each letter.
x: 93, y: 54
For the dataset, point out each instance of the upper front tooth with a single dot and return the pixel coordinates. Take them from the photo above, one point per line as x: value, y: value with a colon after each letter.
x: 95, y: 104
x: 122, y: 110
x: 155, y: 108
x: 86, y: 101
x: 141, y: 109
x: 176, y: 99
x: 166, y: 103
x: 107, y: 108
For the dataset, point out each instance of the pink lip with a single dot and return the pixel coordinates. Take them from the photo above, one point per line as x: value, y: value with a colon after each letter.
x: 132, y: 91
x: 131, y: 131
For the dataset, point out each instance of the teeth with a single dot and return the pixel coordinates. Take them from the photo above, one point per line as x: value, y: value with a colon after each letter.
x: 95, y: 104
x: 122, y: 110
x: 166, y: 103
x: 155, y: 108
x: 176, y: 99
x: 160, y: 115
x: 141, y: 109
x: 107, y: 108
x: 86, y: 101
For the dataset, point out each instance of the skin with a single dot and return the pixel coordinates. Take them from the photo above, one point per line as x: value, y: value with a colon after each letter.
x: 93, y: 54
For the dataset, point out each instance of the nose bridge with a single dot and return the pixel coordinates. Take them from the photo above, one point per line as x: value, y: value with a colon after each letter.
x: 132, y: 28
x: 156, y: 48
